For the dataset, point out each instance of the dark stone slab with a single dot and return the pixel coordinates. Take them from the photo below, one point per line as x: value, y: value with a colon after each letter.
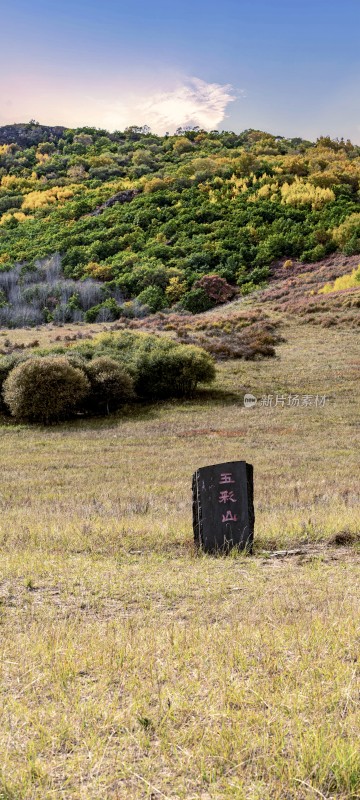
x: 223, y: 506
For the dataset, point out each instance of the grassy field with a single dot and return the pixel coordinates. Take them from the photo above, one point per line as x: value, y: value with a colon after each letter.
x: 131, y: 667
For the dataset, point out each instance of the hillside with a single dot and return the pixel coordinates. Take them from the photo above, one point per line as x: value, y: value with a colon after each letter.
x: 142, y: 218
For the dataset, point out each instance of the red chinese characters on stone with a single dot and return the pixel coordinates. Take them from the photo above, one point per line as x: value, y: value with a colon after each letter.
x: 226, y: 477
x: 226, y: 496
x: 229, y: 517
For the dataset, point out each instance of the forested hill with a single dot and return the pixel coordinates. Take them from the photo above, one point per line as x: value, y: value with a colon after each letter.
x: 144, y: 213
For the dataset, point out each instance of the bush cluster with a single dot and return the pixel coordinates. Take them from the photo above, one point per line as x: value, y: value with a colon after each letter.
x: 44, y: 294
x: 159, y: 366
x: 98, y: 377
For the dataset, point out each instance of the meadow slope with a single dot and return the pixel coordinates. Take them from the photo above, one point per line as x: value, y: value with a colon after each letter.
x: 132, y: 667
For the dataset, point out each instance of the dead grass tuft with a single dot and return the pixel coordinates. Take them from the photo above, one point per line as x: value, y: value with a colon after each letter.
x: 345, y: 538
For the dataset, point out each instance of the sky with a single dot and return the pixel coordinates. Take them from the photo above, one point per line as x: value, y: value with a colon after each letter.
x: 288, y: 67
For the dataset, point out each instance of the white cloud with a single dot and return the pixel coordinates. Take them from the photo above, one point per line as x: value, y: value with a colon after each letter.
x: 173, y: 102
x: 193, y: 102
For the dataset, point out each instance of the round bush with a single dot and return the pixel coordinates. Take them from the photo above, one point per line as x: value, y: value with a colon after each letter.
x: 110, y: 385
x: 7, y: 364
x: 196, y: 301
x: 172, y: 372
x: 45, y: 390
x: 217, y: 289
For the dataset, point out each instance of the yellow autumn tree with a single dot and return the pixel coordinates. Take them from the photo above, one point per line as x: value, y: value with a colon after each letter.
x: 48, y: 197
x: 300, y: 193
x: 18, y: 215
x: 175, y: 289
x: 101, y: 272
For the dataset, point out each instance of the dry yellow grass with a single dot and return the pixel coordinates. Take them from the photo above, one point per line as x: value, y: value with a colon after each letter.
x: 133, y: 668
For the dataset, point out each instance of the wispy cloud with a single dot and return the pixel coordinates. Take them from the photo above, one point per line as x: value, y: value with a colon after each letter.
x: 175, y: 101
x: 191, y: 102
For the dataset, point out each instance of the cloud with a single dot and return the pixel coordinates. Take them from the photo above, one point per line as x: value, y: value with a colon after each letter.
x: 171, y: 103
x: 193, y: 102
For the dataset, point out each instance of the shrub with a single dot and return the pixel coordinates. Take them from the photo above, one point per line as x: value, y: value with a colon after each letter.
x: 155, y: 185
x: 347, y: 235
x: 110, y: 385
x: 196, y: 301
x: 172, y: 372
x: 159, y: 366
x: 248, y: 287
x: 153, y: 297
x: 109, y: 310
x: 314, y: 253
x: 45, y: 390
x: 129, y: 309
x: 151, y: 273
x: 7, y: 363
x: 216, y: 289
x: 102, y: 272
x: 301, y: 193
x: 250, y: 281
x: 182, y: 145
x: 176, y: 289
x: 343, y: 282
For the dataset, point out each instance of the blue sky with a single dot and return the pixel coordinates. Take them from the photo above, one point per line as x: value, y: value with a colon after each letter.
x: 292, y: 68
